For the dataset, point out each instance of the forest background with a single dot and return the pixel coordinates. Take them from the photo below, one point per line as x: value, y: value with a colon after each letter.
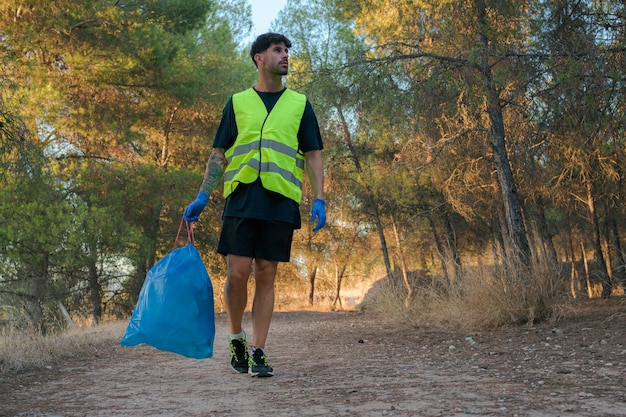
x: 473, y: 150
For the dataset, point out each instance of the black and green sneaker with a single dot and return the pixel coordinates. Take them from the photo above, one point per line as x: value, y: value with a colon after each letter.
x: 239, y: 354
x: 257, y: 364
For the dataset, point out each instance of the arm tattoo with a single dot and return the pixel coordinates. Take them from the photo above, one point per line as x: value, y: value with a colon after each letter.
x: 213, y: 173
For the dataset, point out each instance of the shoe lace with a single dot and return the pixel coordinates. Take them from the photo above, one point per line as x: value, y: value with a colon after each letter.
x: 237, y: 349
x: 259, y: 357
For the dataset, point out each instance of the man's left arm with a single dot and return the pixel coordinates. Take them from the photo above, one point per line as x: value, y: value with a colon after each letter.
x: 315, y: 171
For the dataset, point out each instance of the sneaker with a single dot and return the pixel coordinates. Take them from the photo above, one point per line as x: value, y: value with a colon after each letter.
x: 239, y: 354
x: 258, y: 365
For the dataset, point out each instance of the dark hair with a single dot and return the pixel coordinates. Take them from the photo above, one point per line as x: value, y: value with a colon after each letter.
x: 264, y: 41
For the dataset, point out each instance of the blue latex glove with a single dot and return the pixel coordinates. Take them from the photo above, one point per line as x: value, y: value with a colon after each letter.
x: 318, y: 211
x: 194, y: 209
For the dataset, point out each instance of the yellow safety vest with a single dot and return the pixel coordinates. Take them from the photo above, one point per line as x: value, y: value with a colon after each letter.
x: 267, y: 144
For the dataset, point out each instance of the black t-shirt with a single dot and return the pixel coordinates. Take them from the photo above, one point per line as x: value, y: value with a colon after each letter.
x: 252, y: 200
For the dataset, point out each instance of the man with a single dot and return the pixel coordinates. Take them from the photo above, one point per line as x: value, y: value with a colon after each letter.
x: 267, y: 138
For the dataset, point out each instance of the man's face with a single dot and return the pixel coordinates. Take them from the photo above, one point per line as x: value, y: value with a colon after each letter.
x: 275, y: 59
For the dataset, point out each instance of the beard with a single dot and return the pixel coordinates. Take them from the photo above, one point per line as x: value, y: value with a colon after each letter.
x: 280, y: 70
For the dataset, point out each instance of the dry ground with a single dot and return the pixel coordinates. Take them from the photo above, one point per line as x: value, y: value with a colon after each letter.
x: 351, y: 364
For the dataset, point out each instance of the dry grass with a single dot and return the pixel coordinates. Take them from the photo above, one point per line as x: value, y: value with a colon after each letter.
x: 483, y: 298
x: 22, y: 350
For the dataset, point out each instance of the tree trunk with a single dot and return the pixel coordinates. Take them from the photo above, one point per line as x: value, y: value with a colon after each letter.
x: 439, y: 247
x: 619, y: 252
x: 501, y: 233
x: 369, y: 197
x: 95, y: 292
x: 147, y: 257
x: 383, y: 240
x: 587, y: 276
x: 339, y: 281
x: 66, y: 316
x: 312, y: 276
x: 574, y: 279
x: 95, y: 289
x: 511, y: 199
x: 621, y: 259
x: 544, y: 235
x: 597, y: 242
x: 504, y: 242
x: 455, y: 256
x: 405, y: 274
x: 163, y: 155
x: 606, y: 250
x: 32, y: 300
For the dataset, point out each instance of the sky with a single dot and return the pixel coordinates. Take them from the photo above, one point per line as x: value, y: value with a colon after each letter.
x: 263, y: 12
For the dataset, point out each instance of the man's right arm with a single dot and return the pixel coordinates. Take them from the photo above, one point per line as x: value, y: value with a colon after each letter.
x: 214, y: 170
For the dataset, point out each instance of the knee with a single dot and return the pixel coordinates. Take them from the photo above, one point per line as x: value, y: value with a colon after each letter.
x: 264, y: 279
x: 264, y: 282
x: 265, y: 271
x: 237, y: 279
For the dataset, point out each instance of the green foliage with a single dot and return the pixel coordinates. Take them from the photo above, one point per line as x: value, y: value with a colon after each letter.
x: 18, y: 155
x: 119, y: 99
x: 107, y: 112
x: 37, y: 224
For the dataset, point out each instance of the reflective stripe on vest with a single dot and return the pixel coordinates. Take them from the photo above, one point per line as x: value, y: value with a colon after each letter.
x: 267, y: 144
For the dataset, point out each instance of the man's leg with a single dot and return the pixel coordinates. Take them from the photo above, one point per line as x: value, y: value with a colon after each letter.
x: 263, y: 304
x: 235, y: 299
x: 236, y: 290
x: 262, y: 309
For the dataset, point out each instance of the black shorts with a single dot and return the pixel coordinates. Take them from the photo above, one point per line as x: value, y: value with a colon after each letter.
x: 254, y: 238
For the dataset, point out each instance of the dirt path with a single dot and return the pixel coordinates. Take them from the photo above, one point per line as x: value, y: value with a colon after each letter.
x: 351, y: 364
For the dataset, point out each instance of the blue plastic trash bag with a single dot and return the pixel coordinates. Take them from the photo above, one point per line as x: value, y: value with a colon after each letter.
x: 174, y: 311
